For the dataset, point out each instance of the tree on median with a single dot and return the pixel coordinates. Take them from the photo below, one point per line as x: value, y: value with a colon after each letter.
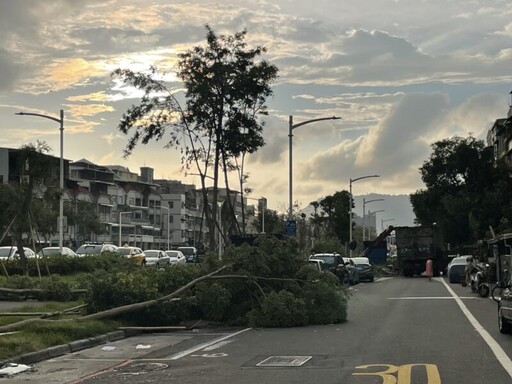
x: 226, y: 89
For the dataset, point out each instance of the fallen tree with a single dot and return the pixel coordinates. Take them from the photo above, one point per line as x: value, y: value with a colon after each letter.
x: 285, y: 292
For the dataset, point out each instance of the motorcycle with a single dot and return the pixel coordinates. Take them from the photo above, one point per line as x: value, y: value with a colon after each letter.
x: 479, y: 279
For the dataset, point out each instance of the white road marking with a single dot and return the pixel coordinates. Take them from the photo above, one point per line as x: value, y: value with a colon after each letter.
x: 495, y: 347
x: 218, y: 345
x: 199, y: 347
x: 430, y: 298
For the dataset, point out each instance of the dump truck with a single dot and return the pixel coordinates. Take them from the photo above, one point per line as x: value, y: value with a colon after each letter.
x: 376, y: 250
x: 414, y: 245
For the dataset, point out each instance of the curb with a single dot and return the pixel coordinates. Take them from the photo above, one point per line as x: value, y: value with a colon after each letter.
x: 73, y: 346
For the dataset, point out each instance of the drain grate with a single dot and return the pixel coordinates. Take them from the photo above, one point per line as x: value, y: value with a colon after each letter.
x: 284, y: 361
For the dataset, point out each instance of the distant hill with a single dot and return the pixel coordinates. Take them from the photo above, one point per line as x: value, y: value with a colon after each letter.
x: 397, y: 207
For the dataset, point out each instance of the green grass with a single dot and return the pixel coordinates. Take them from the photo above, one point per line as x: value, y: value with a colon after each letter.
x: 39, y: 307
x: 39, y: 336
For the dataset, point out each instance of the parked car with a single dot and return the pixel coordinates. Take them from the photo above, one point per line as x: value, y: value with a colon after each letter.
x: 156, y: 258
x: 334, y: 263
x: 96, y: 249
x: 190, y: 253
x: 317, y: 264
x: 176, y: 257
x: 11, y: 252
x: 352, y: 274
x: 135, y: 253
x: 364, y: 268
x: 456, y: 268
x: 52, y: 251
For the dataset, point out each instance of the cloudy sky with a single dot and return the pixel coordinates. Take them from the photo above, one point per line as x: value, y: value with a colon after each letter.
x: 401, y: 74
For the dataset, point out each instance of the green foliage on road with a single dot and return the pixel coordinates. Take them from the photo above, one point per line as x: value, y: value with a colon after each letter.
x: 268, y: 284
x: 255, y: 288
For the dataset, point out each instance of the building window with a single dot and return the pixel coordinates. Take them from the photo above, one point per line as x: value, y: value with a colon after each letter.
x: 170, y: 204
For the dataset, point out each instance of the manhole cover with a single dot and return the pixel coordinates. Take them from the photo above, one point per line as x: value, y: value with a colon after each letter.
x: 284, y: 361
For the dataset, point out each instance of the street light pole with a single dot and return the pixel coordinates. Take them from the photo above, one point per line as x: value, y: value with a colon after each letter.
x: 382, y: 221
x: 168, y: 223
x: 121, y: 226
x: 59, y: 120
x: 364, y: 217
x: 350, y: 204
x: 291, y: 127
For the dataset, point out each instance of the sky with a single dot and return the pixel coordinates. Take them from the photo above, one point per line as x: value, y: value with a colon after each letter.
x: 401, y: 74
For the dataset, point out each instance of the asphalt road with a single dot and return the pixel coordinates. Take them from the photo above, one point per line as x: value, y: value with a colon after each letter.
x: 399, y: 331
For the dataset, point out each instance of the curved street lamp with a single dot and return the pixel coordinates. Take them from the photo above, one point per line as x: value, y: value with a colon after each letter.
x: 59, y: 120
x: 364, y: 217
x: 350, y: 204
x: 382, y: 221
x: 291, y: 127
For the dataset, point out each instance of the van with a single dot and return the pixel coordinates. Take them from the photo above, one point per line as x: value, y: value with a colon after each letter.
x: 190, y: 254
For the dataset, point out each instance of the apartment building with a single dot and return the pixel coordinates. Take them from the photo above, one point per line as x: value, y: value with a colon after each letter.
x: 500, y: 138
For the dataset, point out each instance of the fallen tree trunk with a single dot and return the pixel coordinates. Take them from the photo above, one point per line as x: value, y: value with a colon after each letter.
x: 113, y: 312
x: 26, y: 291
x: 146, y: 304
x: 45, y: 315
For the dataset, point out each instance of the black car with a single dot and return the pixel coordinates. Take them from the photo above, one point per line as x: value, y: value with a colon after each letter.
x: 456, y: 269
x: 502, y: 294
x: 364, y: 268
x: 334, y: 263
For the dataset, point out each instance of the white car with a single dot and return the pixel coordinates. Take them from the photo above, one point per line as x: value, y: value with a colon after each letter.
x: 177, y: 257
x: 11, y: 252
x: 156, y: 258
x: 52, y: 251
x: 96, y: 249
x: 317, y: 264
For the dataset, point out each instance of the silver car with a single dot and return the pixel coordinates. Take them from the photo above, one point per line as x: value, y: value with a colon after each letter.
x: 52, y: 251
x: 156, y: 258
x: 176, y: 257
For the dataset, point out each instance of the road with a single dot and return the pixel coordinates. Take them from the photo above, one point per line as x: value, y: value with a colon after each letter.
x: 399, y: 331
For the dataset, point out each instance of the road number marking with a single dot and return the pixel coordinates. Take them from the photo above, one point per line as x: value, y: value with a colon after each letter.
x: 403, y: 373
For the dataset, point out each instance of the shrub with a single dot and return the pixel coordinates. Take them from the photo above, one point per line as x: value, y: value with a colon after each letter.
x: 55, y: 289
x: 110, y: 290
x: 213, y: 300
x: 20, y: 282
x: 279, y: 309
x: 325, y: 304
